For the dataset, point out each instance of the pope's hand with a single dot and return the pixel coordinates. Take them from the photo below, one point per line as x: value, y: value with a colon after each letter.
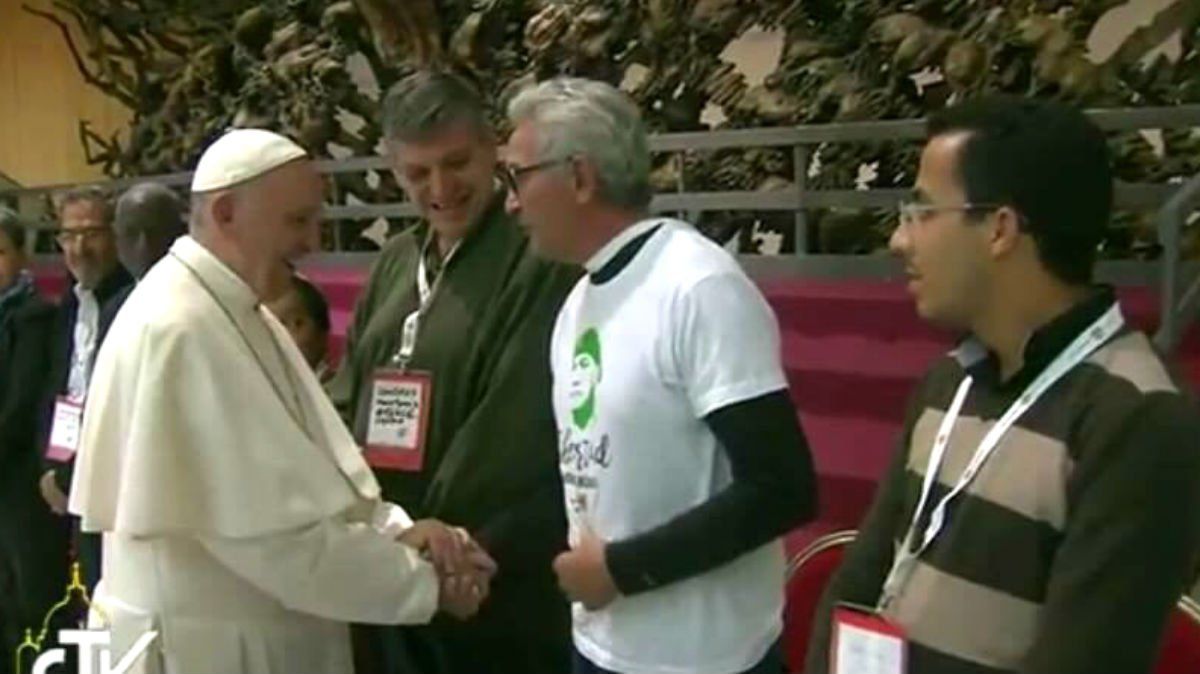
x: 451, y: 549
x: 446, y: 547
x: 52, y: 494
x: 464, y: 568
x: 583, y: 573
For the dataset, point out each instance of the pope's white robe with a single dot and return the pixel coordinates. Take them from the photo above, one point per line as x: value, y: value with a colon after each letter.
x: 240, y: 520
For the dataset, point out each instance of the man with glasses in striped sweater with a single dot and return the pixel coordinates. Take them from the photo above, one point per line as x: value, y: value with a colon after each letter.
x: 1042, y: 513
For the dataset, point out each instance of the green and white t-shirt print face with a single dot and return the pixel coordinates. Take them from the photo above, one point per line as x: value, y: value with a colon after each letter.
x: 582, y: 455
x: 638, y: 362
x: 585, y: 375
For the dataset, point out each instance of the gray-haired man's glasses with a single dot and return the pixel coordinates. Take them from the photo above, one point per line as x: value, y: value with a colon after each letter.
x: 66, y: 237
x: 511, y: 175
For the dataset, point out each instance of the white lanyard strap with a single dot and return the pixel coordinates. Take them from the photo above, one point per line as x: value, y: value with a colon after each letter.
x: 425, y: 291
x: 1083, y: 346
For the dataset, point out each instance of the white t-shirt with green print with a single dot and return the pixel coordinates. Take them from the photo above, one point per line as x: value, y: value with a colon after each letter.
x: 638, y: 361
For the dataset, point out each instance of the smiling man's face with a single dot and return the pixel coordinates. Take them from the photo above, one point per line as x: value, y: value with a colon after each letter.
x: 449, y: 176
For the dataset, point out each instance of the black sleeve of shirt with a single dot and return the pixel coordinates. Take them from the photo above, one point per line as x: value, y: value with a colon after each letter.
x: 773, y: 491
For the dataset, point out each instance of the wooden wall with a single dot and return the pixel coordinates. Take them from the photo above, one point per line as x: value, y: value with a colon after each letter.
x: 42, y: 99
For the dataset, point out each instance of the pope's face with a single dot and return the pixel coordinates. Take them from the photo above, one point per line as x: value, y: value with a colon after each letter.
x: 277, y: 221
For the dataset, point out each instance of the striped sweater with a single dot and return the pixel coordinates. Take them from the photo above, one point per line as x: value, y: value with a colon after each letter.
x: 1066, y: 553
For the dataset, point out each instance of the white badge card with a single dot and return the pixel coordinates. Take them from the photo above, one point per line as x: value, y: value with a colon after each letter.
x: 398, y: 419
x: 65, y: 431
x: 863, y: 642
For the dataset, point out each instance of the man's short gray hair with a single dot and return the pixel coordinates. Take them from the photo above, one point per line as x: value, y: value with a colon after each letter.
x: 427, y: 102
x: 89, y: 194
x: 576, y: 117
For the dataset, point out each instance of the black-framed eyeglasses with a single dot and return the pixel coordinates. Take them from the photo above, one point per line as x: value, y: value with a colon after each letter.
x: 511, y: 175
x: 64, y: 237
x: 914, y: 211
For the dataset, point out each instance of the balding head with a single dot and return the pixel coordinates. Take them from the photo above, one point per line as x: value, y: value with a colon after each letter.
x: 149, y: 217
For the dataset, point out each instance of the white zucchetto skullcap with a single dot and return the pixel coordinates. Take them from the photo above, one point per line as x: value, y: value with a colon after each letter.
x: 241, y: 155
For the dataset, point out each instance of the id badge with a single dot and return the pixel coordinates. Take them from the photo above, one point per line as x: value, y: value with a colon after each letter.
x: 398, y: 419
x: 864, y: 642
x: 65, y: 431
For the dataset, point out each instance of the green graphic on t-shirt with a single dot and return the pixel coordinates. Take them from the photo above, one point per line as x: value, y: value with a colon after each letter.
x: 585, y: 375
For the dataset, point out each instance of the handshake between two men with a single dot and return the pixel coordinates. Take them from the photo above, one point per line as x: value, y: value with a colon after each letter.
x: 464, y: 569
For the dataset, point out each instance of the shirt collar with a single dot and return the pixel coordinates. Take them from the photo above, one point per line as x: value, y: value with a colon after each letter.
x: 229, y: 288
x: 1043, y: 345
x: 426, y: 235
x: 83, y: 294
x: 110, y: 285
x: 609, y: 250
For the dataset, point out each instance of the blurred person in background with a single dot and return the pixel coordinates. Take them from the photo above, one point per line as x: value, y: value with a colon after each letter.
x: 33, y: 541
x: 304, y: 311
x: 148, y: 219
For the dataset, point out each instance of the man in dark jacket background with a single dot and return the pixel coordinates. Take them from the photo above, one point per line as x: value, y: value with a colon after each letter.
x: 33, y: 542
x: 84, y: 315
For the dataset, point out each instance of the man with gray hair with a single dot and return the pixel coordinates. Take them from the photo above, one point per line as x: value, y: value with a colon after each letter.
x: 85, y: 313
x: 682, y: 458
x: 459, y: 310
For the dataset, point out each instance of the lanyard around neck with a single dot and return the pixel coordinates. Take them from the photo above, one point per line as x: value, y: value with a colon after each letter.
x: 425, y: 293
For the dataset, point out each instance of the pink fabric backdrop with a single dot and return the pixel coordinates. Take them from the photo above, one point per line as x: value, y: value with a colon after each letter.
x: 852, y: 350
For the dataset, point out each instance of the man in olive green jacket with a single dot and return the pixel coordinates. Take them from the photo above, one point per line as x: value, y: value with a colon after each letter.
x: 488, y: 462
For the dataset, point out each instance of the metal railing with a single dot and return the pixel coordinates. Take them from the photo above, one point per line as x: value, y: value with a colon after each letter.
x: 802, y: 140
x: 1176, y: 309
x: 1175, y: 201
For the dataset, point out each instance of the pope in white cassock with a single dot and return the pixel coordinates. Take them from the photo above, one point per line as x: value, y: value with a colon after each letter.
x: 240, y: 521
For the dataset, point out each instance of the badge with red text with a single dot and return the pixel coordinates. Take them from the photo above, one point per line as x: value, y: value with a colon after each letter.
x: 399, y: 414
x: 864, y: 642
x: 65, y: 431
